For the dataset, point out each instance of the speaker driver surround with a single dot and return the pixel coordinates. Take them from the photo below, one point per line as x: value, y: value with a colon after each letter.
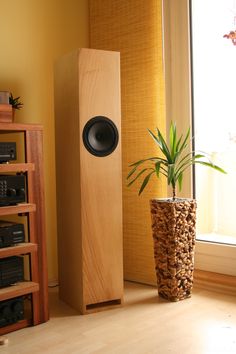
x: 100, y: 136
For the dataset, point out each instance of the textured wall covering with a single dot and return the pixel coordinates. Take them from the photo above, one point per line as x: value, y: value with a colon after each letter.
x: 134, y: 28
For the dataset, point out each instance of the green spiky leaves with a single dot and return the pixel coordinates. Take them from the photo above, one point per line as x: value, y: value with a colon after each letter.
x: 15, y: 102
x: 172, y: 165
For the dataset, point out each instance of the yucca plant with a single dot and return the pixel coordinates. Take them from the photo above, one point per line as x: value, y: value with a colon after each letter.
x: 173, y: 164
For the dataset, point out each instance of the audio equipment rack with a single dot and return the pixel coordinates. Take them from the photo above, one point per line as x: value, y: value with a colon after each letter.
x: 36, y: 288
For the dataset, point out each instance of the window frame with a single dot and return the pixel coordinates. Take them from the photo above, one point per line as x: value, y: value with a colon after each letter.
x: 177, y: 49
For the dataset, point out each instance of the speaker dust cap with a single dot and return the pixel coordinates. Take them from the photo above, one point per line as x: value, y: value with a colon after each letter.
x: 100, y: 136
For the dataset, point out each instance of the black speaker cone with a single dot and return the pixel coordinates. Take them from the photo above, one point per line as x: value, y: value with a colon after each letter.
x: 100, y: 136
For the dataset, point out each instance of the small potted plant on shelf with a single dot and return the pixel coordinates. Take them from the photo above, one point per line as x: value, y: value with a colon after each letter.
x: 173, y: 219
x: 15, y: 103
x: 8, y: 105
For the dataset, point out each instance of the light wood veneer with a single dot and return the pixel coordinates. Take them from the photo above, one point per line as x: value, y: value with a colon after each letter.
x: 89, y: 191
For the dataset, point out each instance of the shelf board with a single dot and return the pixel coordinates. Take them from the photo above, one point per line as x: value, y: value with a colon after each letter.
x: 15, y: 326
x: 21, y: 288
x: 17, y: 209
x: 21, y: 248
x: 18, y: 127
x: 16, y: 167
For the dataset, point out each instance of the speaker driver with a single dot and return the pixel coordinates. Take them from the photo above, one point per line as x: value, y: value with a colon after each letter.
x: 100, y: 136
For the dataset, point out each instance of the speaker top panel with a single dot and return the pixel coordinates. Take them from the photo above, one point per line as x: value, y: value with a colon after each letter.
x: 100, y: 136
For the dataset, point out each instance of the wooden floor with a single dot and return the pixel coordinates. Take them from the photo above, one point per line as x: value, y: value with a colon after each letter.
x: 204, y: 324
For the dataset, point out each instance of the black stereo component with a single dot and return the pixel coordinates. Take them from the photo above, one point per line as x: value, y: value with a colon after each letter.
x: 11, y: 233
x: 12, y: 189
x: 7, y: 152
x: 11, y: 270
x: 11, y: 311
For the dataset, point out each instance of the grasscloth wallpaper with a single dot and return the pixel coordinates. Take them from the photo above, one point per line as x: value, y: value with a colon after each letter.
x: 134, y: 28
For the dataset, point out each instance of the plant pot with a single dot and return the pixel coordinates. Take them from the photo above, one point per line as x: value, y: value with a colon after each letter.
x: 173, y: 227
x: 6, y: 113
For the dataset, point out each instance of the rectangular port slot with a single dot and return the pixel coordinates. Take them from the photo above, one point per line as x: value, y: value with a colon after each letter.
x: 103, y: 304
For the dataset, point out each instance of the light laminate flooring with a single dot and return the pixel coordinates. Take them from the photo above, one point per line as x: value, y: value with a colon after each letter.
x: 147, y: 324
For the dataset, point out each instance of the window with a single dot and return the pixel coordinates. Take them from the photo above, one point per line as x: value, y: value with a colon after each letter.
x: 215, y: 257
x: 214, y: 78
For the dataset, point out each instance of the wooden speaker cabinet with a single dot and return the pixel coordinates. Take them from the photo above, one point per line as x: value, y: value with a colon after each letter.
x: 89, y: 179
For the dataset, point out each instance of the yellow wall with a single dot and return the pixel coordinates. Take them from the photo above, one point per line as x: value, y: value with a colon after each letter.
x: 33, y: 33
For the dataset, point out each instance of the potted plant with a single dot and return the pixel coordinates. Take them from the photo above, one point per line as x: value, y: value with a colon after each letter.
x: 15, y: 103
x: 173, y: 219
x: 8, y: 105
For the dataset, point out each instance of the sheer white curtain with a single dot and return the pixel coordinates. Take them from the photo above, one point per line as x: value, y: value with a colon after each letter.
x: 214, y: 60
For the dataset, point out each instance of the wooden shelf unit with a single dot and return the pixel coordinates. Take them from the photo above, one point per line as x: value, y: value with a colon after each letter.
x: 22, y: 208
x: 17, y: 167
x: 15, y: 326
x: 19, y: 289
x: 34, y: 208
x: 22, y: 248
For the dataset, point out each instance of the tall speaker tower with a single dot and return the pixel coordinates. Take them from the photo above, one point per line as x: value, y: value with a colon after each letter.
x: 89, y: 179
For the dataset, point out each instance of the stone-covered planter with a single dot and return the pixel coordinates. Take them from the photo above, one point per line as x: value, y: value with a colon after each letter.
x: 173, y: 227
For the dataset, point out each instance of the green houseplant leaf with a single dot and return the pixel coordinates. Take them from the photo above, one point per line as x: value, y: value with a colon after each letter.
x: 15, y: 102
x: 173, y: 164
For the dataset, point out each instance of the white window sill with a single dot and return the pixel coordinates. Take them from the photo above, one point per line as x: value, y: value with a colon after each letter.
x: 217, y: 238
x: 215, y: 257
